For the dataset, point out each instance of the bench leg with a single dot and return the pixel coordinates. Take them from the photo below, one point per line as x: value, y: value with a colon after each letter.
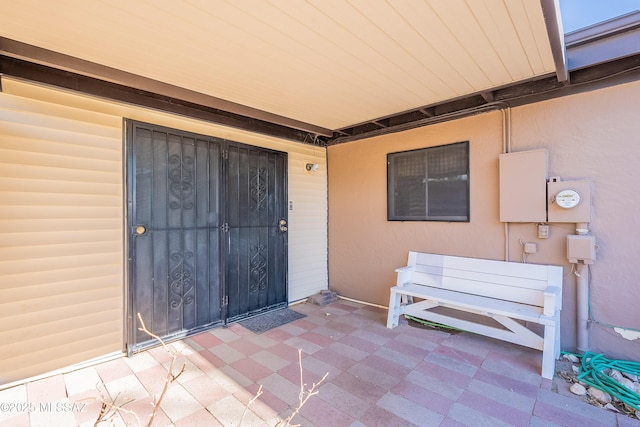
x: 551, y: 349
x: 394, y: 309
x: 406, y: 299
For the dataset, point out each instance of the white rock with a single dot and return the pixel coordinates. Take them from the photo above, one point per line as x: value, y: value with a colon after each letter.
x: 575, y: 369
x: 610, y: 407
x: 632, y: 377
x: 599, y: 395
x: 571, y: 358
x: 578, y: 389
x: 637, y: 414
x: 628, y: 384
x: 615, y: 374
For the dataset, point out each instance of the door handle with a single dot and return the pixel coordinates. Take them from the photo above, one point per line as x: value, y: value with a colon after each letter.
x: 283, y: 225
x: 140, y: 230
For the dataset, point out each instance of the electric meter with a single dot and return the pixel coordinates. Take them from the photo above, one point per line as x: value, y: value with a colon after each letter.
x: 567, y: 199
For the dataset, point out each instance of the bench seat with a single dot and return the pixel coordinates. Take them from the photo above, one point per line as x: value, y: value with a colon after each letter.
x: 510, y: 294
x: 471, y: 303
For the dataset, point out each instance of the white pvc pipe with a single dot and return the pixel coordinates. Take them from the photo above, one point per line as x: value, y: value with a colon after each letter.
x: 582, y: 228
x: 582, y: 297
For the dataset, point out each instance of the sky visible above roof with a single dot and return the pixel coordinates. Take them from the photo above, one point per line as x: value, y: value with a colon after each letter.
x: 578, y: 14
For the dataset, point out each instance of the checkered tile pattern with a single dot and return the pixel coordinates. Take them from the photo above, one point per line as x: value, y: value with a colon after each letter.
x: 375, y: 377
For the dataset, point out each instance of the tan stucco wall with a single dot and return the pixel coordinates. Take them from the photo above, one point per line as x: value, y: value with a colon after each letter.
x: 593, y: 135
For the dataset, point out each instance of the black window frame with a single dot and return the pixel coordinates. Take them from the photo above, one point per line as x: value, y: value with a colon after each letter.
x: 422, y: 190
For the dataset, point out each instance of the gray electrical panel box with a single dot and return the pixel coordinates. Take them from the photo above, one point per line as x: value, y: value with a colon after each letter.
x: 523, y: 186
x: 581, y: 248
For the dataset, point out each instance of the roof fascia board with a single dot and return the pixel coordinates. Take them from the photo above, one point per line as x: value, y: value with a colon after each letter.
x: 605, y: 41
x: 603, y: 29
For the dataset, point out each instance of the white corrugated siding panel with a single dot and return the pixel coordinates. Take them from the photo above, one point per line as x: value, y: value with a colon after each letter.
x: 61, y: 214
x: 308, y: 250
x: 73, y: 146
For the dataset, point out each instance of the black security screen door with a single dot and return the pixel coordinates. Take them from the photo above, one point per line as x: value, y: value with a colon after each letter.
x: 207, y: 231
x: 255, y: 211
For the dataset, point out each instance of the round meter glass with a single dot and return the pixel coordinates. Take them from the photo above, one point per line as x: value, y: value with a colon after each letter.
x: 568, y: 199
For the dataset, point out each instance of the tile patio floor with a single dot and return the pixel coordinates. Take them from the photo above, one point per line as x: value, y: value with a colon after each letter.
x: 376, y: 377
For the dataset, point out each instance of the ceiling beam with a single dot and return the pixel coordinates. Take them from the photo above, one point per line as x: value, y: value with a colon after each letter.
x: 429, y: 112
x: 488, y: 96
x: 51, y: 59
x: 598, y: 76
x: 521, y: 93
x: 107, y: 90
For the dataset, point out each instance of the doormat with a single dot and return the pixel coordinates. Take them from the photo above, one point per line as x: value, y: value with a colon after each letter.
x: 271, y: 319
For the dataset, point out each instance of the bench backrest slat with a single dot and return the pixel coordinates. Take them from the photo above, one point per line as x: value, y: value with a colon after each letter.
x: 508, y: 281
x: 432, y: 274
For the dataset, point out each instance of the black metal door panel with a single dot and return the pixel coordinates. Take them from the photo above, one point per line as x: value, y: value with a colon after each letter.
x: 175, y: 186
x: 255, y: 208
x: 207, y: 241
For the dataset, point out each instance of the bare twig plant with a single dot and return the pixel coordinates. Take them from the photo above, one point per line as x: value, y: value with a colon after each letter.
x: 246, y: 409
x: 303, y: 396
x: 170, y: 378
x: 109, y: 408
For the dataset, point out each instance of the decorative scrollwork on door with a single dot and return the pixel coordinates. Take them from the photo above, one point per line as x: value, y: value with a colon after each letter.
x: 258, y: 268
x: 181, y: 177
x: 181, y: 279
x: 258, y: 188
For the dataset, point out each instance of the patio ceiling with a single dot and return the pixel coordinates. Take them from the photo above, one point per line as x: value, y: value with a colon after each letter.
x: 319, y: 66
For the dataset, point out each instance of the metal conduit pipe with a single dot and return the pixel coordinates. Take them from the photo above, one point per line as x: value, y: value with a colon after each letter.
x: 506, y: 148
x: 582, y: 298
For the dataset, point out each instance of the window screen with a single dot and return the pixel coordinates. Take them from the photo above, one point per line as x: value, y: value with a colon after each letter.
x: 430, y: 184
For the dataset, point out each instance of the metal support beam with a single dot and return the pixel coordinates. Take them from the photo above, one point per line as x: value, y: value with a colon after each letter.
x: 37, y: 55
x: 488, y: 96
x: 551, y: 12
x: 546, y: 87
x: 12, y: 67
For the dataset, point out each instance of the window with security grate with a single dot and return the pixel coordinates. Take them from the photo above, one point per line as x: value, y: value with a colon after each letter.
x: 429, y: 184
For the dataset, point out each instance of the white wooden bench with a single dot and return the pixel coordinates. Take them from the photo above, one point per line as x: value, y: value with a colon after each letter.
x: 510, y: 293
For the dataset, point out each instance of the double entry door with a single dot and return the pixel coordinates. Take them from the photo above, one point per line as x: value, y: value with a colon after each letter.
x: 207, y: 241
